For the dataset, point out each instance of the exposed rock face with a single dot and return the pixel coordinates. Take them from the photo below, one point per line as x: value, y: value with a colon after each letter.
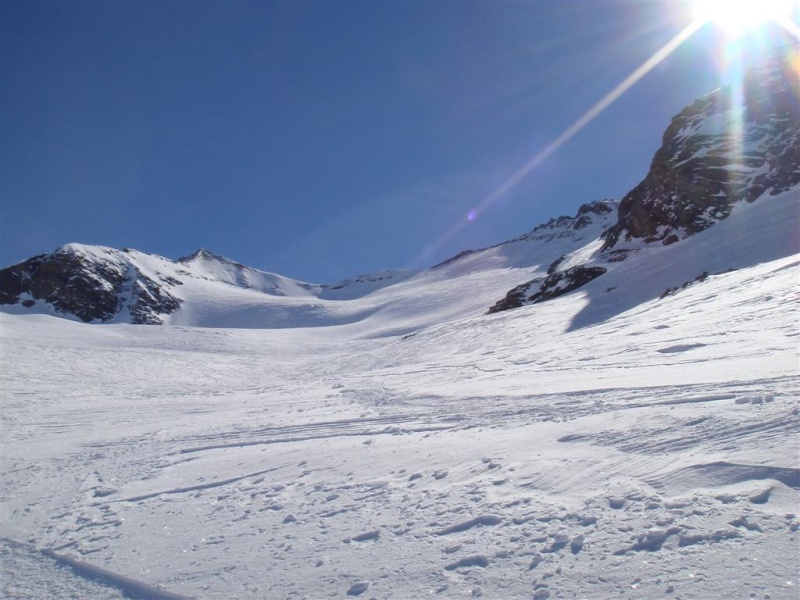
x: 559, y: 281
x: 737, y: 143
x: 563, y: 226
x: 150, y: 301
x: 554, y: 285
x: 93, y: 287
x: 63, y: 280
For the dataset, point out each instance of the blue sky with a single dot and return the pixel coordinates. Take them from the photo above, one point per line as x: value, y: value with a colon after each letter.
x: 322, y: 140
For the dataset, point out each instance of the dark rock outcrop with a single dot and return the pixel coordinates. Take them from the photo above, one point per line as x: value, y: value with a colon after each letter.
x: 93, y: 288
x: 739, y: 143
x: 149, y: 301
x: 554, y: 285
x: 516, y: 297
x: 735, y: 144
x: 62, y: 279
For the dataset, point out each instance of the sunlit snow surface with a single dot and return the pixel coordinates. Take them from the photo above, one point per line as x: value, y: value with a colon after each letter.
x: 607, y: 444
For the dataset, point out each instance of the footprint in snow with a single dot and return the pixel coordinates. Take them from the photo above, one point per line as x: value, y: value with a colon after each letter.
x: 679, y: 348
x: 616, y: 503
x: 358, y: 588
x: 478, y: 560
x: 363, y: 537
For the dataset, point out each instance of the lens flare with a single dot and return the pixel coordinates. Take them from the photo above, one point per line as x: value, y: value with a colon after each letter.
x: 733, y: 16
x: 565, y: 136
x: 790, y: 26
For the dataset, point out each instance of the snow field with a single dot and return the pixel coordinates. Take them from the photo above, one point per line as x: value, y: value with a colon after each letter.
x: 618, y: 442
x: 512, y: 456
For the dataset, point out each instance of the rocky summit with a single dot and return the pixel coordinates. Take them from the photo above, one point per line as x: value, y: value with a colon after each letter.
x: 739, y: 143
x: 92, y: 285
x: 96, y: 284
x: 100, y: 284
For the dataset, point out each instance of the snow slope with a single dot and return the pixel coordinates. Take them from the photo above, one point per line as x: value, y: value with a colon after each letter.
x: 208, y: 290
x: 609, y: 443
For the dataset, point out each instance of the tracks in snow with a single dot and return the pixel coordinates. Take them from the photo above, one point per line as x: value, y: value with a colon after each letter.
x: 383, y: 425
x: 259, y: 491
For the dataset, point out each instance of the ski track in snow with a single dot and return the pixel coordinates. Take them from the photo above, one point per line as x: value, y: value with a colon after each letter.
x: 650, y: 454
x: 29, y: 575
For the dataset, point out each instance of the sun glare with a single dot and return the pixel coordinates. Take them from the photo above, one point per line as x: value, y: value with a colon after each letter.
x: 735, y: 17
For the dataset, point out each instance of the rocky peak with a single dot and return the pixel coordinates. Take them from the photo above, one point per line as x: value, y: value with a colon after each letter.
x: 588, y: 212
x: 738, y: 143
x: 203, y: 254
x: 93, y: 283
x: 564, y: 226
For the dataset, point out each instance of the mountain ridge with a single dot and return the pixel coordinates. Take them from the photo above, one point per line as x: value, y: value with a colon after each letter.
x: 729, y: 146
x: 715, y: 156
x: 103, y: 284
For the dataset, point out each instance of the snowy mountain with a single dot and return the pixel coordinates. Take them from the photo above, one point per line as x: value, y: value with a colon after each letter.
x: 735, y: 144
x: 717, y: 154
x: 98, y: 284
x: 384, y: 437
x: 607, y: 444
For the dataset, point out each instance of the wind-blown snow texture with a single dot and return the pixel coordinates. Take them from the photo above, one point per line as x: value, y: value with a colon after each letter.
x: 606, y: 444
x: 384, y: 438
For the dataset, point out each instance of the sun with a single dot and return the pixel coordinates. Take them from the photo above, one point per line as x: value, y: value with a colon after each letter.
x: 735, y: 17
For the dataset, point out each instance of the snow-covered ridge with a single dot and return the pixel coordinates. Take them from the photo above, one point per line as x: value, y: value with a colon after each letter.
x: 716, y: 154
x: 210, y: 266
x: 362, y: 285
x: 591, y: 220
x: 739, y: 143
x: 100, y: 284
